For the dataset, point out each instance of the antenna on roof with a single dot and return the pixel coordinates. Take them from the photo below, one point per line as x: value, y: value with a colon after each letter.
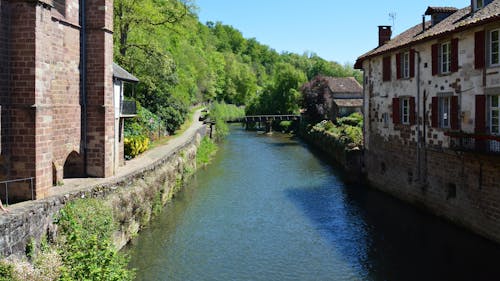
x: 392, y: 17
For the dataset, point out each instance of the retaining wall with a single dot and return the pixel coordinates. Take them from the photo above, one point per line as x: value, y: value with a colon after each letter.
x: 133, y: 197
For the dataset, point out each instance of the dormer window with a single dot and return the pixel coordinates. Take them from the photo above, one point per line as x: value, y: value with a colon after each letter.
x: 478, y: 4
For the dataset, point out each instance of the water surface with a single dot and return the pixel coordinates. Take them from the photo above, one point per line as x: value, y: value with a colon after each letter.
x: 268, y: 208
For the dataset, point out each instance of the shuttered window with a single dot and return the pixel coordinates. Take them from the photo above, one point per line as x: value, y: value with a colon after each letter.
x: 479, y: 46
x: 494, y: 113
x: 403, y: 111
x: 445, y: 57
x: 386, y: 65
x: 480, y: 116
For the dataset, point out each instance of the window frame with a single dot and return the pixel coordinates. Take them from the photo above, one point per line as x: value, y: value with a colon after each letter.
x: 444, y: 108
x: 405, y: 110
x: 405, y: 64
x: 478, y: 6
x: 491, y: 49
x: 491, y: 110
x: 444, y: 62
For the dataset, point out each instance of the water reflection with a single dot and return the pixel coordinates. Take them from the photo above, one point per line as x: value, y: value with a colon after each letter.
x: 269, y: 209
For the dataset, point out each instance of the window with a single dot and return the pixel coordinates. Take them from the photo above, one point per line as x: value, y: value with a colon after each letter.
x: 478, y: 4
x: 386, y: 68
x: 445, y: 58
x: 405, y: 64
x: 494, y: 47
x: 494, y: 115
x: 444, y: 112
x: 405, y: 110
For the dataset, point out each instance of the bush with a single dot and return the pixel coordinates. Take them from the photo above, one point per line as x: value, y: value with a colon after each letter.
x: 7, y: 271
x: 135, y: 145
x: 86, y: 228
x: 205, y: 151
x: 222, y: 112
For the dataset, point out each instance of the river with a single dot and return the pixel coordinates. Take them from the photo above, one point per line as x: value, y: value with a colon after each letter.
x: 269, y: 208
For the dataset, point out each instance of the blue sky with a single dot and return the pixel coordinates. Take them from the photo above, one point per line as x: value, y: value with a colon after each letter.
x: 326, y: 27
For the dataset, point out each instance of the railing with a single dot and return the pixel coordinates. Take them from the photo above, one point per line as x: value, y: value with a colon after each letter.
x: 7, y: 182
x: 475, y: 143
x: 129, y: 108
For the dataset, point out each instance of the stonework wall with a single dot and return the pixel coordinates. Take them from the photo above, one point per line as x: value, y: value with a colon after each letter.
x: 461, y: 187
x: 131, y: 196
x: 40, y: 92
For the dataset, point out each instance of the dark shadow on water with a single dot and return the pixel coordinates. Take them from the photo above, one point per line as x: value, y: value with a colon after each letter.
x: 385, y: 239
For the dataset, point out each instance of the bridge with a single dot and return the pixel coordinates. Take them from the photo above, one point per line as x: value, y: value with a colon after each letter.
x: 265, y: 119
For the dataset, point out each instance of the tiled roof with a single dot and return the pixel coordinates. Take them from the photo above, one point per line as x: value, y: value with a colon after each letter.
x: 349, y: 102
x: 456, y: 22
x: 445, y: 10
x: 344, y: 85
x: 122, y: 74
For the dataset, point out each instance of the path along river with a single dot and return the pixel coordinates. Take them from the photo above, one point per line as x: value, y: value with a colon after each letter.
x: 268, y: 208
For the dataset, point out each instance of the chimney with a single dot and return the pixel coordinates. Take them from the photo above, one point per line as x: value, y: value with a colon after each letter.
x: 384, y: 34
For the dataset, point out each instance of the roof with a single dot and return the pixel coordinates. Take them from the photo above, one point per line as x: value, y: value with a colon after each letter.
x: 344, y: 85
x: 439, y: 10
x: 122, y: 74
x: 349, y: 102
x: 458, y: 21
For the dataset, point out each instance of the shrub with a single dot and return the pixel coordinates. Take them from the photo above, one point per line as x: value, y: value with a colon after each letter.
x: 85, y: 243
x: 205, y: 151
x: 135, y: 145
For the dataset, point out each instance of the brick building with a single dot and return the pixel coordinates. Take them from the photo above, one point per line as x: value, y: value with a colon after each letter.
x: 432, y: 114
x: 56, y: 92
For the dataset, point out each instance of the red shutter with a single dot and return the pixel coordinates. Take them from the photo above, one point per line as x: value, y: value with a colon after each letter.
x: 386, y: 65
x: 454, y: 55
x: 398, y: 65
x: 412, y: 63
x: 454, y: 121
x: 396, y: 116
x: 435, y: 62
x: 480, y: 114
x: 412, y: 111
x: 435, y: 112
x: 479, y: 53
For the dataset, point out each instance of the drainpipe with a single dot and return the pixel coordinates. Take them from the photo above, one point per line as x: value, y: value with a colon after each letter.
x: 419, y: 141
x: 83, y: 81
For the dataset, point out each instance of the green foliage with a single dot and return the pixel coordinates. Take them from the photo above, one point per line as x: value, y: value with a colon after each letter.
x: 221, y: 112
x: 205, y: 151
x: 135, y: 145
x: 348, y: 131
x: 85, y: 243
x: 7, y: 271
x: 180, y: 61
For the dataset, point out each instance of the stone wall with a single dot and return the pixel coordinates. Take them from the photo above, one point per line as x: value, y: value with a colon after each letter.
x: 350, y: 160
x: 133, y: 197
x: 458, y: 186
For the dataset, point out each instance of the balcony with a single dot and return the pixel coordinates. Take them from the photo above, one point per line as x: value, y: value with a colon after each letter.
x: 479, y: 143
x: 128, y: 109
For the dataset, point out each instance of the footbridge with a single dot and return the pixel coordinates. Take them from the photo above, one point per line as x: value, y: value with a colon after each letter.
x: 265, y: 120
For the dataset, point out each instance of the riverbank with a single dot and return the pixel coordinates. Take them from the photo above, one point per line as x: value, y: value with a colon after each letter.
x: 131, y: 193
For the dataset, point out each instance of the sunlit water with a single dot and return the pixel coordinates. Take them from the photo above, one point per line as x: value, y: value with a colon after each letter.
x: 268, y: 208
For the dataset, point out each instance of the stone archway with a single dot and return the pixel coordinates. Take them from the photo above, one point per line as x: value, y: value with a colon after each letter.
x: 73, y: 166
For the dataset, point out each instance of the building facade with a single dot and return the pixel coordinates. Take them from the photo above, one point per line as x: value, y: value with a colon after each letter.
x: 432, y: 114
x: 56, y: 92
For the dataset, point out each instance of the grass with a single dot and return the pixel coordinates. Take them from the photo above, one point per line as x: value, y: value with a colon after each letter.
x: 205, y: 152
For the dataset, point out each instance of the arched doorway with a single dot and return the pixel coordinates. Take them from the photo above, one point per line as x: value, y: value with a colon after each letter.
x: 73, y: 166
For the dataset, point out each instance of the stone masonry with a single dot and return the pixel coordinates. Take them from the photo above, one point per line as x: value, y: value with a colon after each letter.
x: 40, y: 93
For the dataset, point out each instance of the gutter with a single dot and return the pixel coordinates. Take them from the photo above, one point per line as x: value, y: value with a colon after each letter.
x: 83, y: 81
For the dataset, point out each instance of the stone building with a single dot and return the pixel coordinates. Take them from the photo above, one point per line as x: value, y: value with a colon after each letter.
x: 432, y: 114
x: 56, y: 92
x: 347, y: 95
